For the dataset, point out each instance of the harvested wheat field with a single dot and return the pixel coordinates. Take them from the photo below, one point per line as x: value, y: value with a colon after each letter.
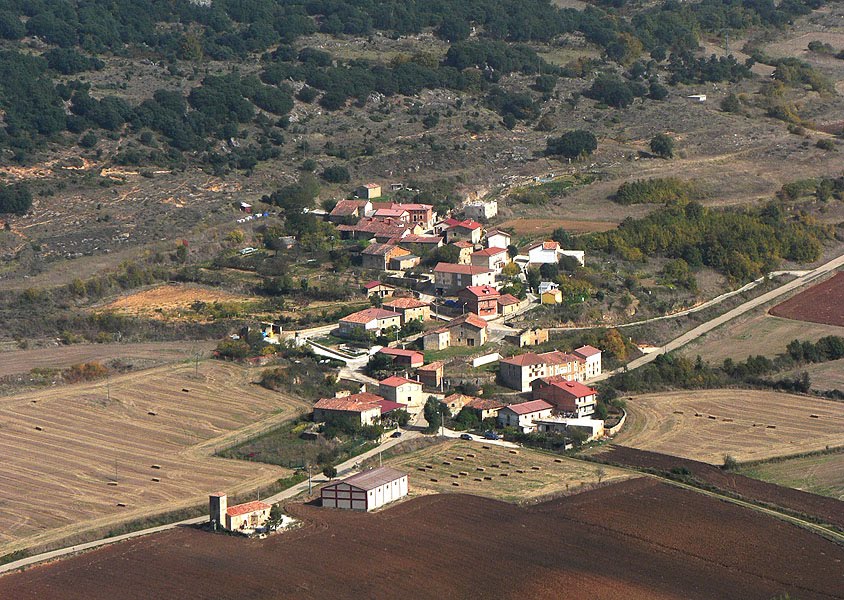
x: 705, y: 425
x: 169, y: 300
x: 638, y: 540
x: 818, y: 474
x: 71, y: 454
x: 821, y: 303
x: 499, y: 472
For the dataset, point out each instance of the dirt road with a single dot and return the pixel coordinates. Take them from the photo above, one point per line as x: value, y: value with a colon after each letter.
x: 805, y: 279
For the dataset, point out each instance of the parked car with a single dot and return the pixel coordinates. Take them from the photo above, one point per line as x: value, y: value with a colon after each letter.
x: 466, y: 436
x: 395, y: 434
x: 491, y: 435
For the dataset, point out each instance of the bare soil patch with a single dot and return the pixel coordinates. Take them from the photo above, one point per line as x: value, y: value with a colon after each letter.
x: 821, y: 303
x: 828, y: 510
x: 72, y: 453
x: 747, y: 424
x: 675, y: 543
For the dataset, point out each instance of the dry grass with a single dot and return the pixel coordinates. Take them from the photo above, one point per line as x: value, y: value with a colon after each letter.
x: 823, y: 475
x: 170, y: 300
x: 65, y: 449
x: 758, y: 334
x: 747, y: 424
x: 495, y: 472
x: 535, y: 227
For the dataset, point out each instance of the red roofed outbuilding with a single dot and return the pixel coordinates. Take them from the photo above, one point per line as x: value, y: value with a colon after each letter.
x: 481, y: 300
x: 570, y: 398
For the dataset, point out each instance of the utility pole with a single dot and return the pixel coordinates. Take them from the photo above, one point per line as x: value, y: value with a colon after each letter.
x: 309, y: 480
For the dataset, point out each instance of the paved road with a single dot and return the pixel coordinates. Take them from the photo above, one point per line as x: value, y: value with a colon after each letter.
x: 343, y: 469
x: 806, y: 278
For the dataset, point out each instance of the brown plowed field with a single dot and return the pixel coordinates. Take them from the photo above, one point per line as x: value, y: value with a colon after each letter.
x: 747, y: 424
x: 169, y: 300
x: 829, y: 510
x: 72, y: 453
x: 821, y: 303
x: 638, y: 539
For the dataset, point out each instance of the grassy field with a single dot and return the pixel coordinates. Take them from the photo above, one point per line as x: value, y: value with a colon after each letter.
x: 93, y: 455
x: 824, y: 376
x: 747, y: 424
x: 822, y: 474
x: 756, y: 334
x: 497, y: 472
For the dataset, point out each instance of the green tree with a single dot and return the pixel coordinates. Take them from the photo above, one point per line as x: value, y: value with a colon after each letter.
x: 731, y: 103
x: 330, y: 472
x: 276, y: 517
x: 662, y: 145
x: 433, y: 414
x: 15, y: 199
x: 572, y: 144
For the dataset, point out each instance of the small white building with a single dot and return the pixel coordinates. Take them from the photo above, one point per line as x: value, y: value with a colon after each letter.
x: 481, y: 210
x: 549, y: 252
x: 592, y: 357
x: 522, y: 416
x: 365, y: 491
x: 593, y: 428
x: 497, y: 239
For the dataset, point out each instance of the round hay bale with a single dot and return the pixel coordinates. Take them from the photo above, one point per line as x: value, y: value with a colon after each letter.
x: 558, y: 460
x: 481, y: 469
x: 434, y: 480
x: 455, y: 483
x: 520, y: 470
x: 513, y: 451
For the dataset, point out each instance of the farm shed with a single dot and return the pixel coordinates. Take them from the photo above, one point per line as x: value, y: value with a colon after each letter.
x: 366, y: 491
x: 240, y: 517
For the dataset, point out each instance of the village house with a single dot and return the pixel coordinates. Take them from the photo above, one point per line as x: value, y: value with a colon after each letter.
x: 366, y: 491
x: 484, y: 408
x: 570, y: 398
x: 465, y: 250
x: 528, y: 337
x: 593, y: 428
x: 403, y: 263
x: 448, y: 277
x: 518, y: 372
x: 378, y: 256
x: 409, y: 359
x: 349, y: 211
x: 482, y: 209
x: 549, y: 252
x: 508, y: 305
x: 465, y: 330
x: 410, y: 309
x: 431, y: 375
x: 362, y: 408
x: 481, y: 300
x: 369, y: 191
x: 522, y: 416
x: 422, y: 215
x: 376, y: 288
x: 388, y: 215
x: 370, y: 320
x: 497, y: 239
x: 466, y: 230
x: 421, y: 244
x: 455, y: 403
x: 551, y: 296
x: 381, y: 231
x: 402, y: 390
x: 493, y: 259
x: 592, y: 356
x: 245, y: 517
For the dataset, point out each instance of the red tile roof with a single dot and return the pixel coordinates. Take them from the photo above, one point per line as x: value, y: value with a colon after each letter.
x: 574, y: 388
x: 508, y: 299
x: 468, y: 319
x: 465, y: 224
x: 366, y: 315
x: 434, y: 366
x: 556, y: 357
x: 532, y: 406
x: 546, y: 245
x: 522, y: 360
x: 369, y: 225
x: 480, y: 291
x: 463, y: 244
x: 461, y: 269
x: 411, y: 354
x: 390, y: 212
x: 347, y: 208
x: 248, y: 507
x: 422, y: 239
x: 371, y: 186
x: 413, y: 207
x: 375, y: 284
x: 484, y: 404
x: 489, y: 251
x: 405, y: 303
x: 347, y: 404
x: 396, y: 381
x: 586, y: 351
x: 459, y: 399
x: 382, y: 249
